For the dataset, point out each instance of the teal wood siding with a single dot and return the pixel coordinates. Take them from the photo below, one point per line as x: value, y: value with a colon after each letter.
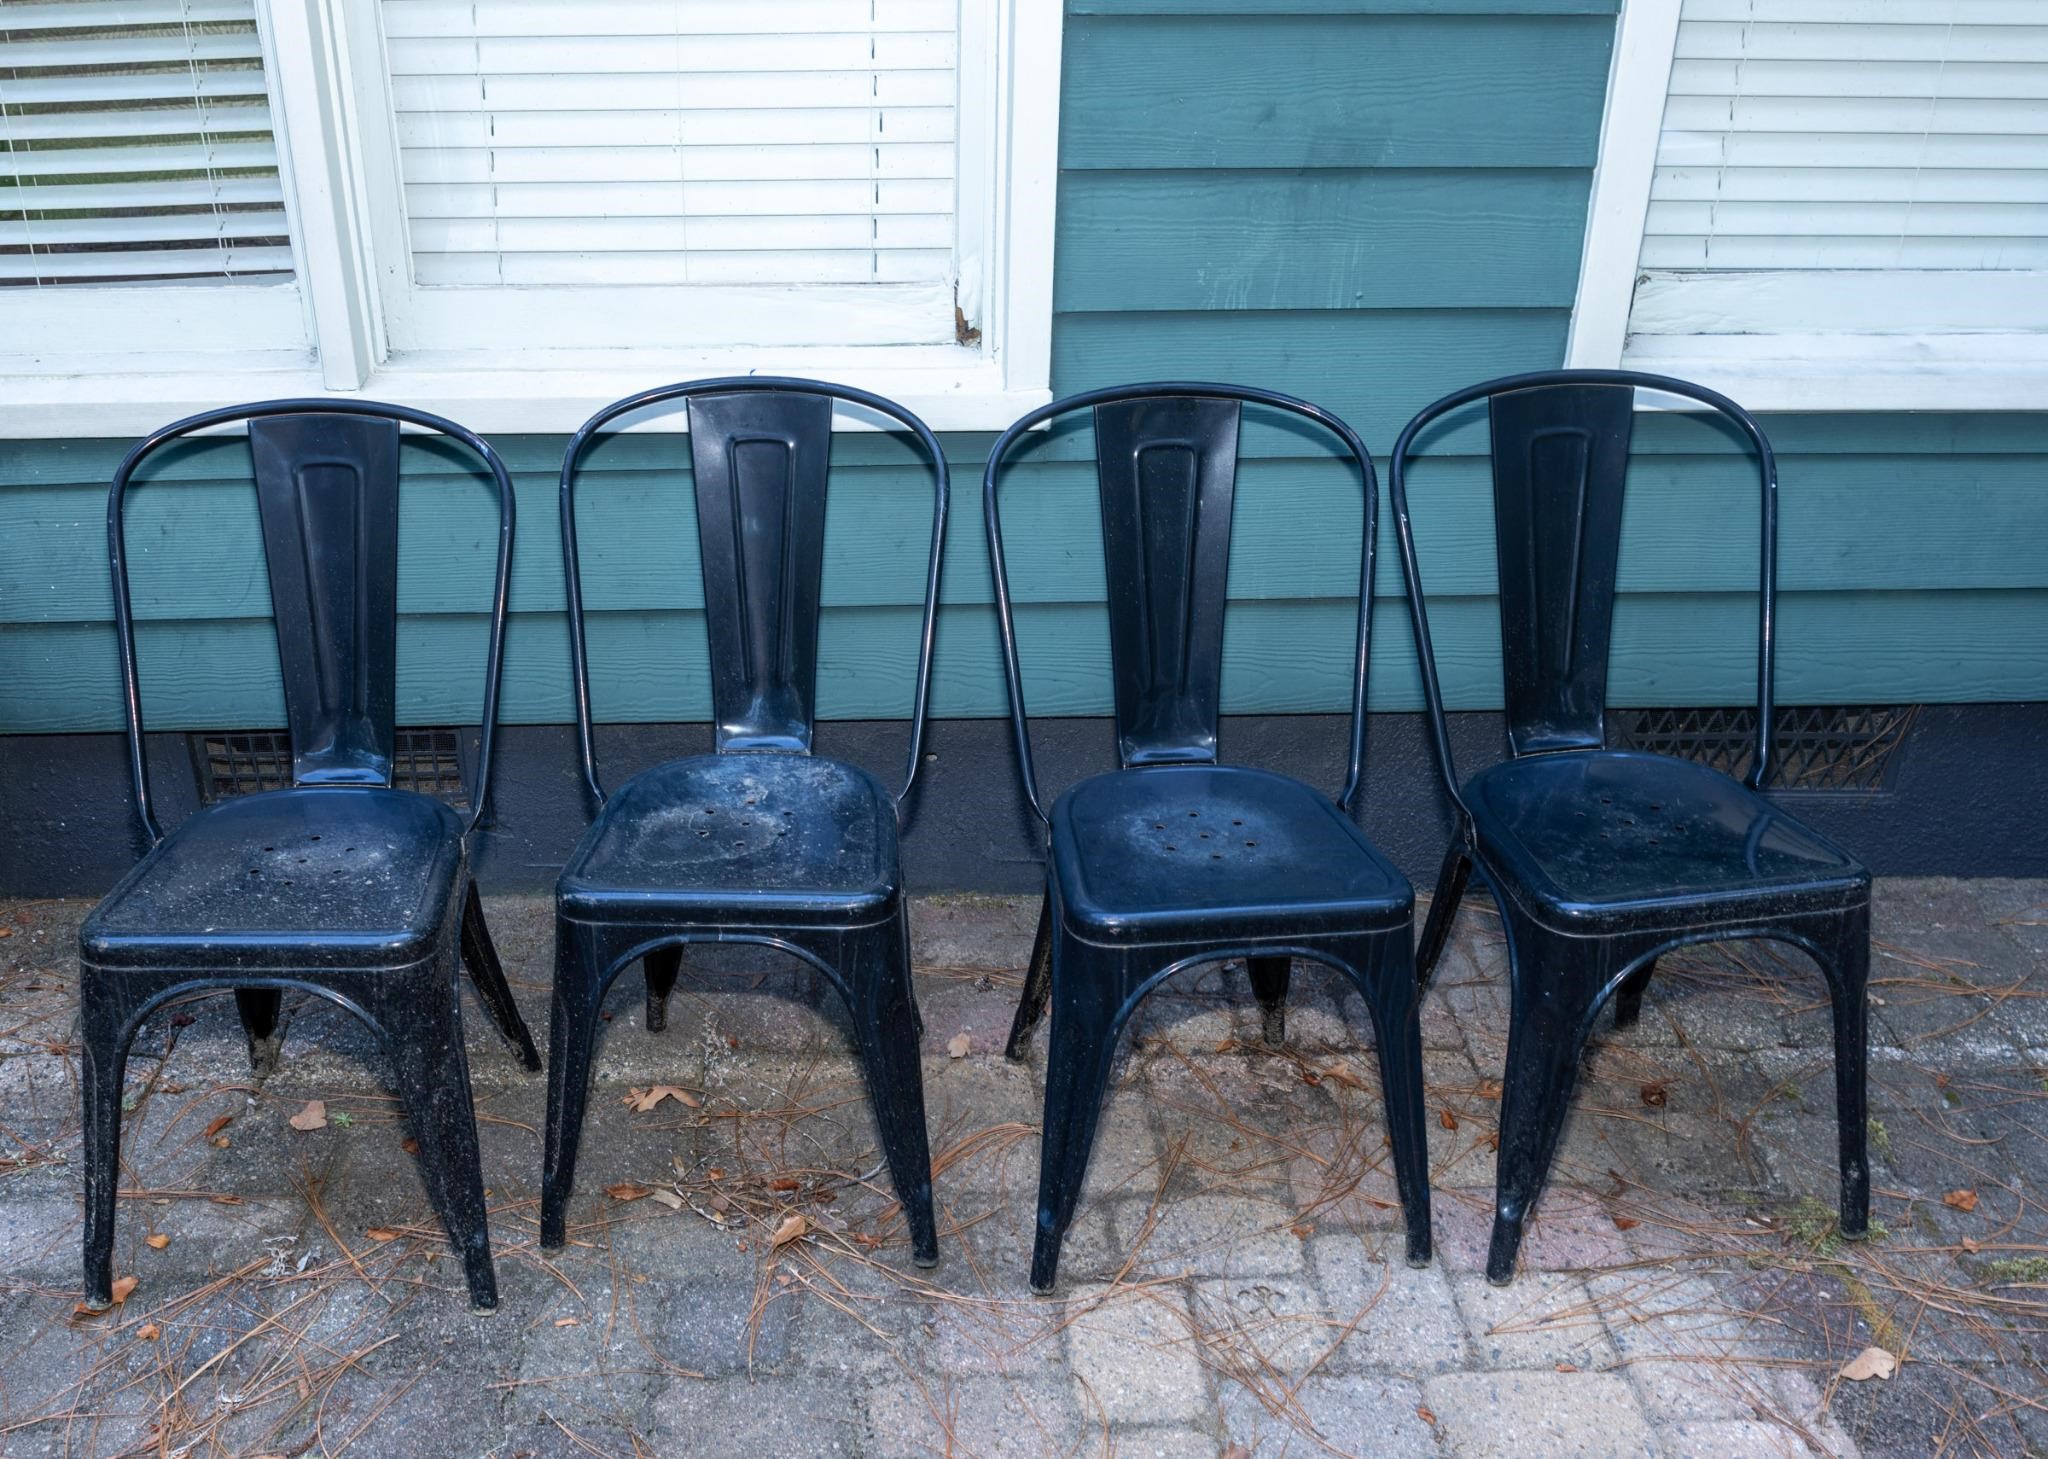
x: 1365, y: 202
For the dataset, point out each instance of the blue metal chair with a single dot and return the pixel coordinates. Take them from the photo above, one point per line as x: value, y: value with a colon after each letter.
x: 340, y: 885
x: 1174, y: 859
x: 1602, y: 860
x: 762, y: 841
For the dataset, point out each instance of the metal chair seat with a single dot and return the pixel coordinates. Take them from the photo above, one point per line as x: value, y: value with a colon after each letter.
x: 1605, y: 835
x: 713, y: 834
x: 1170, y: 852
x: 343, y: 876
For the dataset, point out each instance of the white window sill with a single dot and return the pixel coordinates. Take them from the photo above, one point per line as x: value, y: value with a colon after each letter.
x: 952, y: 388
x: 1844, y: 372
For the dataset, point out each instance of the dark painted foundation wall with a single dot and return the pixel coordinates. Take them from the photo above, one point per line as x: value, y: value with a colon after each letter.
x: 1964, y: 795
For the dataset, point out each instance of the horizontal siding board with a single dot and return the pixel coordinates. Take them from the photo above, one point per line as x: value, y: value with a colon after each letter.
x: 1279, y: 657
x: 1689, y: 526
x: 1333, y: 91
x: 1331, y: 239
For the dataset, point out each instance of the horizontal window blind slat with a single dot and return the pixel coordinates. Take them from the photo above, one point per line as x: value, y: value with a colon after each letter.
x: 1848, y: 149
x: 495, y: 132
x: 263, y: 264
x: 1900, y: 12
x: 111, y: 124
x: 165, y: 160
x: 1672, y: 252
x: 208, y: 117
x: 794, y: 161
x: 678, y: 199
x: 1852, y: 184
x: 1868, y: 41
x: 1855, y: 114
x: 1876, y: 79
x: 686, y: 56
x: 891, y: 266
x: 867, y: 91
x: 404, y: 19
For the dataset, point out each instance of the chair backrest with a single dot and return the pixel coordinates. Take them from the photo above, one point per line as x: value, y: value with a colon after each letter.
x: 327, y: 495
x: 1166, y: 473
x: 1560, y: 454
x: 761, y: 458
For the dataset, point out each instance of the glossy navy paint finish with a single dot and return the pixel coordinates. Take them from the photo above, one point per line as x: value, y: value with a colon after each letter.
x: 1173, y: 859
x: 761, y: 841
x: 1602, y: 860
x: 340, y: 885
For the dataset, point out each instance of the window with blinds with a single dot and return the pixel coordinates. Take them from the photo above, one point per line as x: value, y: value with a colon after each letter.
x: 676, y: 142
x: 1854, y: 134
x: 135, y: 145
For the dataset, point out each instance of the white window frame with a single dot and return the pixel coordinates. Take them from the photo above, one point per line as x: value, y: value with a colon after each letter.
x: 1933, y: 368
x: 341, y: 180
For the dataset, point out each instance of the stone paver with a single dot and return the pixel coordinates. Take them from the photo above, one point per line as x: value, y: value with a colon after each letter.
x: 1233, y: 1283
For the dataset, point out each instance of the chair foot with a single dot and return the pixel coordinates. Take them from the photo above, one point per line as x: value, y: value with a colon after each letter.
x: 1502, y: 1250
x: 1628, y: 998
x: 1037, y: 985
x: 663, y: 966
x: 1269, y: 978
x: 259, y: 1008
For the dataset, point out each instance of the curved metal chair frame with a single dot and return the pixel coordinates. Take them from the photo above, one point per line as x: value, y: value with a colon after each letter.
x: 761, y: 451
x: 1589, y: 907
x: 1271, y: 870
x: 190, y: 917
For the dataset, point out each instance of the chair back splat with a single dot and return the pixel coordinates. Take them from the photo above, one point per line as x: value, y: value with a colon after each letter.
x: 760, y: 462
x: 1560, y: 460
x: 327, y: 489
x: 1168, y: 473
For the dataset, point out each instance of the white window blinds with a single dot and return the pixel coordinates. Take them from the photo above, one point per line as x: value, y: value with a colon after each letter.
x: 661, y: 142
x: 1854, y: 134
x: 135, y: 145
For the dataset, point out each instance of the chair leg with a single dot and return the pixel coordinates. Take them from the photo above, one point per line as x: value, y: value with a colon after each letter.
x: 572, y: 1033
x: 1037, y: 983
x: 422, y: 1022
x: 1553, y: 982
x: 877, y: 972
x: 1443, y: 909
x: 1848, y: 972
x: 1269, y: 977
x: 480, y: 956
x: 662, y: 967
x: 105, y: 1063
x: 1086, y: 989
x: 1384, y: 971
x: 1628, y: 998
x: 259, y: 1009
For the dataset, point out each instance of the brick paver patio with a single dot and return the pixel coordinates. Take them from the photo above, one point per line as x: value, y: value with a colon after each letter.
x: 737, y: 1280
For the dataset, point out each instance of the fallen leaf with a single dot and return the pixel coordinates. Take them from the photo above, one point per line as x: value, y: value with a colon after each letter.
x: 1309, y: 1076
x: 1490, y: 1089
x: 625, y: 1190
x: 1961, y: 1200
x: 1567, y: 1367
x: 221, y: 1142
x: 1341, y: 1073
x: 312, y: 1117
x: 1224, y: 1046
x: 716, y: 1172
x: 1425, y: 1415
x: 123, y: 1286
x: 381, y: 1233
x: 958, y: 1046
x: 667, y: 1198
x: 217, y: 1126
x: 149, y: 1332
x: 1626, y: 1223
x: 157, y: 1242
x: 1870, y: 1363
x: 1448, y: 1120
x: 409, y: 1145
x: 792, y: 1227
x: 784, y: 1183
x: 862, y: 1238
x: 1654, y: 1096
x: 1970, y: 1244
x: 1302, y: 1231
x: 568, y: 1322
x: 1237, y: 1451
x: 227, y: 1200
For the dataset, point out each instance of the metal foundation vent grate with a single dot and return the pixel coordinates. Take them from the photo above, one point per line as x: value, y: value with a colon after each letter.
x: 427, y: 760
x: 1831, y: 747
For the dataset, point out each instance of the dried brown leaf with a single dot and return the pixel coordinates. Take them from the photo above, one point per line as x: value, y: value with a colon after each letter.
x: 1870, y: 1363
x: 123, y: 1286
x: 381, y: 1233
x: 217, y: 1126
x: 1448, y: 1120
x: 784, y: 1183
x: 793, y: 1226
x: 1655, y: 1095
x: 156, y: 1242
x: 958, y: 1046
x: 149, y: 1332
x: 667, y: 1197
x: 625, y: 1190
x: 1961, y: 1200
x: 312, y: 1117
